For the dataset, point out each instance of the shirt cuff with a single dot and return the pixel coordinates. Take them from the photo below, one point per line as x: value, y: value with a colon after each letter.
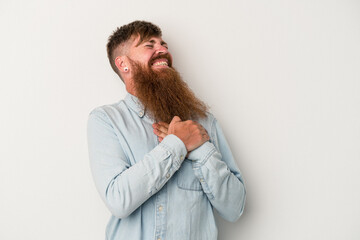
x: 176, y: 147
x: 201, y: 154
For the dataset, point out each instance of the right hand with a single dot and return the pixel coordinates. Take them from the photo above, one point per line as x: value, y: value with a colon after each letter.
x: 190, y: 132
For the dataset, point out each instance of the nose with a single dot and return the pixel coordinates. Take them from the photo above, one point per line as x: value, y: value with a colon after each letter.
x: 162, y: 50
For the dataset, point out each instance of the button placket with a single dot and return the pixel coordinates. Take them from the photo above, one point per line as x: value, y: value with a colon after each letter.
x: 160, y: 209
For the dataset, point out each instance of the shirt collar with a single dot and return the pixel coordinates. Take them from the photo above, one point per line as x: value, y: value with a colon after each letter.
x: 135, y: 104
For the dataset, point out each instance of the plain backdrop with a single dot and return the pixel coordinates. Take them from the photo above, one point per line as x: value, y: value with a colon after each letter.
x: 282, y: 77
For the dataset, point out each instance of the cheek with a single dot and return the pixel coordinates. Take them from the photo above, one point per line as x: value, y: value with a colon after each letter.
x: 145, y: 59
x: 141, y: 56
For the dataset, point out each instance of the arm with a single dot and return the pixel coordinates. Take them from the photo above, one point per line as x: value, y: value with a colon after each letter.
x: 122, y: 187
x: 215, y: 167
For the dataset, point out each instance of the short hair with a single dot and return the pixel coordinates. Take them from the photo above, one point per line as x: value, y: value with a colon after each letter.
x: 123, y: 34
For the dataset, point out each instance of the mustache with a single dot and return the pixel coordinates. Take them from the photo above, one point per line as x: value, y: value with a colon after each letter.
x: 162, y: 56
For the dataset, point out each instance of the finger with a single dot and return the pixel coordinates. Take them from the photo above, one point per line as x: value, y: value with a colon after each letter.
x: 161, y: 126
x: 160, y: 139
x: 203, y: 131
x: 162, y: 129
x: 175, y: 119
x: 199, y: 126
x: 164, y: 124
x: 206, y: 137
x: 159, y: 133
x: 203, y: 134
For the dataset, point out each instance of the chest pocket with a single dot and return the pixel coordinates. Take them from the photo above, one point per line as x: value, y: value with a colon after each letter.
x: 186, y: 178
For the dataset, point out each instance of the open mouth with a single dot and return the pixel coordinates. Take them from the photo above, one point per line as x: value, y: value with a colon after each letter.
x: 161, y: 61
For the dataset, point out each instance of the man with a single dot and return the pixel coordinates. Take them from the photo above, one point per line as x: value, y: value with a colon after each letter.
x: 159, y: 160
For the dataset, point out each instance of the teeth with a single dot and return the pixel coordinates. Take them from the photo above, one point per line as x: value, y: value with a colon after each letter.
x: 160, y: 63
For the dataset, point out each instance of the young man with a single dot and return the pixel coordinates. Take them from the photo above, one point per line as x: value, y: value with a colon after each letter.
x: 159, y: 160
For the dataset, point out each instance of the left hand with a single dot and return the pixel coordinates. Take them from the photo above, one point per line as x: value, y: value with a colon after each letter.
x: 160, y: 129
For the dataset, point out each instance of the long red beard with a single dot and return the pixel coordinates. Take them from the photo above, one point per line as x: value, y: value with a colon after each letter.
x: 165, y: 95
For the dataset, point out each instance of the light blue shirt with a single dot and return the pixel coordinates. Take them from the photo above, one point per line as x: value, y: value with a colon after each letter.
x: 151, y: 189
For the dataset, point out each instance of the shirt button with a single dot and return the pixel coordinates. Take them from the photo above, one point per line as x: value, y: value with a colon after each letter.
x: 160, y: 208
x: 201, y: 179
x: 182, y: 157
x: 168, y: 175
x: 141, y: 113
x: 159, y: 239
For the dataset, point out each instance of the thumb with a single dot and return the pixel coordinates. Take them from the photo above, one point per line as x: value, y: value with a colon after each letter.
x: 171, y: 129
x: 175, y: 120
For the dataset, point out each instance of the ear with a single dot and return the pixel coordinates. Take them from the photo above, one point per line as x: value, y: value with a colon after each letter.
x: 121, y: 64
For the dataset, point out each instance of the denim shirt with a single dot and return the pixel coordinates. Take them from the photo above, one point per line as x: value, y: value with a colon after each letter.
x: 152, y: 189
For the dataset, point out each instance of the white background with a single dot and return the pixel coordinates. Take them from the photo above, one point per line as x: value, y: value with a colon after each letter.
x: 282, y: 77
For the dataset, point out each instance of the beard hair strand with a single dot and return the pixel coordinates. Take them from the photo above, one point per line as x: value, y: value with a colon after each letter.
x: 165, y: 95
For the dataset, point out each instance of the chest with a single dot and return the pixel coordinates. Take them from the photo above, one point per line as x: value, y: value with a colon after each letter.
x: 136, y: 137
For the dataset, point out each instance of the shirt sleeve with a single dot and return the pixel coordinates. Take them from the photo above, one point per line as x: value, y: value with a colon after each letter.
x: 221, y: 180
x: 123, y: 187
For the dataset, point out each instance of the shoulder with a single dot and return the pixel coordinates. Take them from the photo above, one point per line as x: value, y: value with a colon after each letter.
x: 208, y: 122
x: 209, y: 119
x: 109, y: 110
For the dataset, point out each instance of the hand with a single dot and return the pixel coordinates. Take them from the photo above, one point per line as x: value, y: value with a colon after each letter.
x: 160, y: 129
x: 190, y: 132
